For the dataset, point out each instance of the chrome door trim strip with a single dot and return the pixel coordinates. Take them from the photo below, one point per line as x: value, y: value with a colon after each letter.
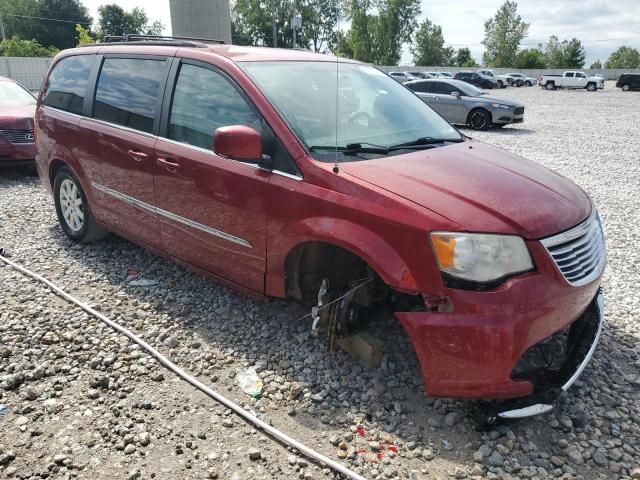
x: 177, y: 218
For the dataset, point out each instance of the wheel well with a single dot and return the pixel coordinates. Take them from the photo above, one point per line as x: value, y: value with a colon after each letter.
x: 309, y: 263
x: 55, y: 166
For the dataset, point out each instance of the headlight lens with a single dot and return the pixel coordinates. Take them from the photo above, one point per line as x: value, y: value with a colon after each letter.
x: 480, y: 257
x: 501, y: 105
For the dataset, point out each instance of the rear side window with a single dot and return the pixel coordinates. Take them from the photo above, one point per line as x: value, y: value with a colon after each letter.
x: 128, y: 91
x: 422, y: 87
x: 570, y: 75
x: 67, y: 84
x: 203, y: 101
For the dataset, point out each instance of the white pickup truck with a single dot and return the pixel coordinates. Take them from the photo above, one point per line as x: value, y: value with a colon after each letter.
x: 571, y: 79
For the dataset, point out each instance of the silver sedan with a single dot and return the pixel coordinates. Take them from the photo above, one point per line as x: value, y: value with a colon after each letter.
x: 461, y: 103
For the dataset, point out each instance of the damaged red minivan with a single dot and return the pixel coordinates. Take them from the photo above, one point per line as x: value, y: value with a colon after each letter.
x: 293, y: 174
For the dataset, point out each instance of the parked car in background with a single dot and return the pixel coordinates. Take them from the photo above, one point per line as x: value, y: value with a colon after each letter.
x: 17, y: 108
x: 477, y: 79
x: 629, y: 81
x: 288, y: 174
x: 573, y: 80
x: 461, y: 103
x: 402, y: 76
x: 520, y: 80
x: 435, y: 75
x: 421, y: 74
x: 445, y: 74
x: 501, y: 80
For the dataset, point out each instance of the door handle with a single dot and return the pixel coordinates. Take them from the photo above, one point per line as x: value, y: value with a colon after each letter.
x: 170, y: 166
x: 137, y: 155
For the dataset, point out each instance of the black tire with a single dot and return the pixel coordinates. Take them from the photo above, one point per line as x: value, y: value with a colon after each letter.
x: 500, y: 84
x: 550, y: 86
x: 592, y: 87
x: 626, y: 88
x: 84, y: 229
x: 479, y: 119
x: 527, y: 83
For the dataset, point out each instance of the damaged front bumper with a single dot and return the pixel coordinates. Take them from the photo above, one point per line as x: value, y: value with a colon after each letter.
x: 583, y: 337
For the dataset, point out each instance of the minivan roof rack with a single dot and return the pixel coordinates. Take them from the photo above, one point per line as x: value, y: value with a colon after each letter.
x: 138, y: 39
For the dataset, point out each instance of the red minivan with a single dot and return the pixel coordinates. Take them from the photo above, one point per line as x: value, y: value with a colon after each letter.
x: 293, y: 174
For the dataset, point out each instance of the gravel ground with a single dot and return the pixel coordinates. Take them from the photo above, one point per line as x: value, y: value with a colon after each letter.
x: 79, y: 400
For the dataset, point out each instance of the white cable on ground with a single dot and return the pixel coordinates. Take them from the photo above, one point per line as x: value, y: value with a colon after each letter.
x: 275, y: 433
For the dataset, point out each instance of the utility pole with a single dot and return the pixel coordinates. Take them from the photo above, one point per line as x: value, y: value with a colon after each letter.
x: 274, y: 26
x: 4, y: 37
x: 293, y: 23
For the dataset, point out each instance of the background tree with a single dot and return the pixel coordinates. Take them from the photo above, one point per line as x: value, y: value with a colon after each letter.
x: 624, y: 57
x: 114, y: 20
x: 463, y: 58
x: 319, y: 24
x: 252, y: 23
x: 597, y: 65
x: 428, y: 46
x: 503, y: 34
x: 379, y: 28
x: 574, y: 54
x: 15, y: 47
x: 15, y: 15
x: 565, y: 54
x: 530, y: 58
x: 84, y: 36
x: 61, y: 34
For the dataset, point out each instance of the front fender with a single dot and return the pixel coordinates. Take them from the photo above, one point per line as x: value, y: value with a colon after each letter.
x: 364, y: 243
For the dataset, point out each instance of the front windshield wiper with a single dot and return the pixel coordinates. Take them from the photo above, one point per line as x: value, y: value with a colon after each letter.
x: 424, y: 141
x: 352, y: 149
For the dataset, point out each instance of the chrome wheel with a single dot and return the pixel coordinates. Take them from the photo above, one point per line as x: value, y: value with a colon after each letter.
x: 626, y: 88
x: 71, y: 205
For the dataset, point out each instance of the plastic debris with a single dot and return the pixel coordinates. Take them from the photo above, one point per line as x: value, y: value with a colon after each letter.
x: 250, y: 383
x: 132, y: 274
x: 3, y: 410
x: 143, y: 282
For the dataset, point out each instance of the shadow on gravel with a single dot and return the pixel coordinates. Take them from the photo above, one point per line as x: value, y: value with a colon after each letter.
x: 513, y: 130
x: 27, y: 172
x: 390, y: 398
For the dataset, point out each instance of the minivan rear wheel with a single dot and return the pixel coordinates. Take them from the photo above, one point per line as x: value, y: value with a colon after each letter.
x: 72, y: 208
x: 479, y: 119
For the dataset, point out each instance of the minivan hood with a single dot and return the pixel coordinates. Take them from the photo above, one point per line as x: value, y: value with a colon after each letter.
x: 17, y: 116
x: 481, y: 188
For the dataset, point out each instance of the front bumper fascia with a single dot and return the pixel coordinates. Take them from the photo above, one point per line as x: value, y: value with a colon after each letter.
x: 543, y: 402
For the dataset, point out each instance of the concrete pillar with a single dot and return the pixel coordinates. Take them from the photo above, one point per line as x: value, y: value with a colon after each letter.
x: 201, y: 18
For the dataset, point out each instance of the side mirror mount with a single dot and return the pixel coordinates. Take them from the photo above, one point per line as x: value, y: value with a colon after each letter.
x: 456, y: 94
x: 238, y: 142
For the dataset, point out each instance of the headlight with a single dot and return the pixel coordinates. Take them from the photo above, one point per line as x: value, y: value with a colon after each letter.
x: 479, y: 257
x: 501, y: 105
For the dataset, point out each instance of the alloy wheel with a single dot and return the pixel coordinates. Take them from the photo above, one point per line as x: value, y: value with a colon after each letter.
x: 71, y: 205
x: 478, y: 120
x: 626, y: 88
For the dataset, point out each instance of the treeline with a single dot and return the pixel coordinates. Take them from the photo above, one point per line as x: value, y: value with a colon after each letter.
x: 41, y: 28
x: 376, y: 32
x: 378, y: 29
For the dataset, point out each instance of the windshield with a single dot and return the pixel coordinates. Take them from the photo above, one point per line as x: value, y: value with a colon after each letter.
x: 13, y: 94
x: 334, y: 105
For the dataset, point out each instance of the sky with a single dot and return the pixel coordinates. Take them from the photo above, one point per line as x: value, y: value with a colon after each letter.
x: 601, y: 25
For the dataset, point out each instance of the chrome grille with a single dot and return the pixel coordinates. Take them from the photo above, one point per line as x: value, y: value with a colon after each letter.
x: 579, y: 253
x: 18, y: 135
